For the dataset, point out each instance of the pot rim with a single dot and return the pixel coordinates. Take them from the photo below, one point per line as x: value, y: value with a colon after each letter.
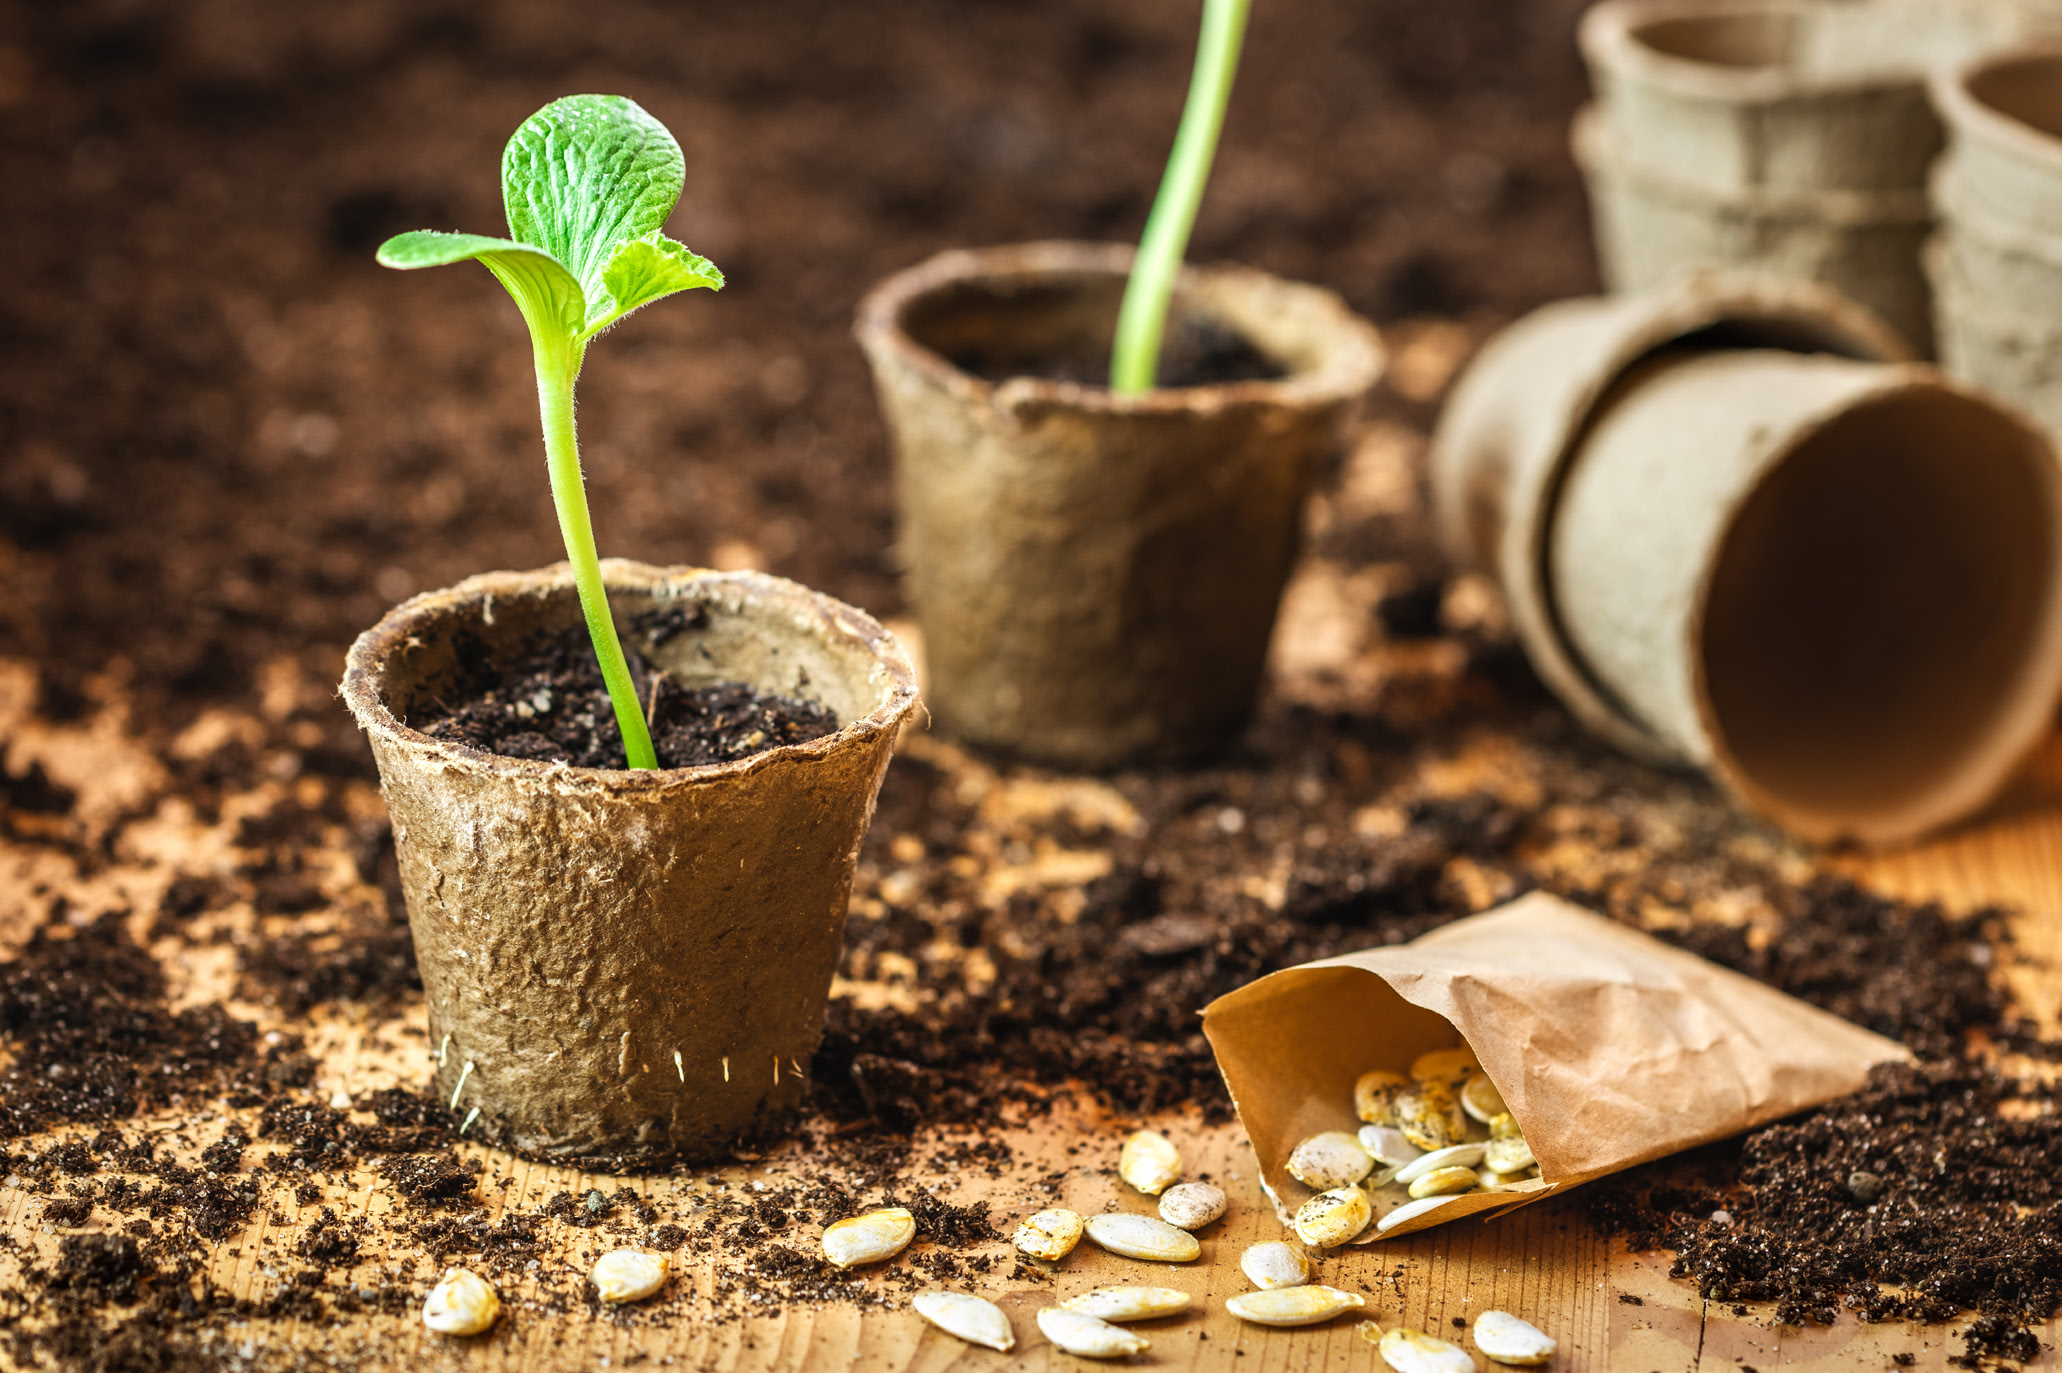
x: 1977, y: 777
x: 1351, y: 367
x: 365, y: 667
x: 1609, y: 42
x: 1967, y: 116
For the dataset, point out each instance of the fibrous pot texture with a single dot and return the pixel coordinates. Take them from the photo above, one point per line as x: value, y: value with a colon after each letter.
x: 2004, y: 119
x: 1837, y: 585
x: 1096, y: 575
x: 630, y: 965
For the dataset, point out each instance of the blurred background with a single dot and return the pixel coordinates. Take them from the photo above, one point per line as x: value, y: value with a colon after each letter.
x: 227, y: 436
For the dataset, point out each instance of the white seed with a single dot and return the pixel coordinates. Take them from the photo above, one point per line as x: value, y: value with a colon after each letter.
x: 1332, y: 1159
x: 1272, y: 1264
x: 969, y: 1317
x: 1493, y: 1181
x: 1374, y: 1096
x: 1454, y: 1156
x: 627, y: 1275
x: 1481, y: 1099
x: 1192, y: 1205
x: 1443, y: 1182
x: 1410, y: 1210
x: 1088, y: 1337
x: 1386, y: 1144
x: 1293, y: 1305
x: 871, y: 1238
x: 1450, y: 1066
x: 1510, y: 1154
x: 462, y: 1303
x: 1429, y: 1116
x: 1413, y: 1351
x: 1329, y: 1219
x: 1143, y: 1237
x: 1049, y: 1235
x: 1130, y: 1303
x: 1505, y: 1126
x: 1505, y: 1338
x: 1149, y: 1162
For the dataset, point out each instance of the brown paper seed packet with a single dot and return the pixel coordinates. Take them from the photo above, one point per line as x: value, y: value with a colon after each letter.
x: 1609, y: 1047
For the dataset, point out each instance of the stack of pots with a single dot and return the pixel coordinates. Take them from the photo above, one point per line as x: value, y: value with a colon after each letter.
x: 1739, y: 530
x: 1786, y: 136
x: 1997, y: 261
x: 1096, y: 575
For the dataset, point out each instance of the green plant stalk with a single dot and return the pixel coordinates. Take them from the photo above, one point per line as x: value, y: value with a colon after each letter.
x: 1135, y: 353
x: 558, y: 367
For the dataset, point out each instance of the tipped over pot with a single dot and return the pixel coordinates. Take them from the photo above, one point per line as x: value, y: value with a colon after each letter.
x: 628, y: 966
x: 1097, y: 575
x: 1739, y: 533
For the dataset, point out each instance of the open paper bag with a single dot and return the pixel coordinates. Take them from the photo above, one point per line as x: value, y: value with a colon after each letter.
x: 1609, y: 1047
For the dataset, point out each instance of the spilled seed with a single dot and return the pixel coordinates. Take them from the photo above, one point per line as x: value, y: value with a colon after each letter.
x: 871, y: 1238
x: 969, y: 1317
x: 1293, y: 1305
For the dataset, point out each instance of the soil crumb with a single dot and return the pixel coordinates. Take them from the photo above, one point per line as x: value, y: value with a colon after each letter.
x: 548, y: 704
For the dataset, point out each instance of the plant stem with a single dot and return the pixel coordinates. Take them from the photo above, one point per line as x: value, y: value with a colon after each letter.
x: 558, y: 367
x: 1135, y: 355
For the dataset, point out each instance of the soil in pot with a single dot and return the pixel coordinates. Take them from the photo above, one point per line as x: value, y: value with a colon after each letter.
x: 547, y: 703
x: 1053, y: 339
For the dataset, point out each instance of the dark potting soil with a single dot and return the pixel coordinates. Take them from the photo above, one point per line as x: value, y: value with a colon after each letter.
x: 1195, y: 352
x: 548, y: 704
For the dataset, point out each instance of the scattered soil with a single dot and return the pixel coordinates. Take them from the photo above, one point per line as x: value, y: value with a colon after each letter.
x: 547, y: 703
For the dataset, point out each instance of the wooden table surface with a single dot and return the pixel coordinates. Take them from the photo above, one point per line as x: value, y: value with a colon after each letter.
x: 1608, y: 1308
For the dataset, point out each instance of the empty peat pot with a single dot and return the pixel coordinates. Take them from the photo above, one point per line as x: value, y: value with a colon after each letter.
x: 1996, y: 265
x: 1097, y: 575
x: 624, y: 965
x: 1788, y: 136
x: 1736, y: 534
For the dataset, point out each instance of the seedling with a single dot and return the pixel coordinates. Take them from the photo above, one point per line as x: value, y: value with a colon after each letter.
x: 587, y: 181
x: 1135, y: 354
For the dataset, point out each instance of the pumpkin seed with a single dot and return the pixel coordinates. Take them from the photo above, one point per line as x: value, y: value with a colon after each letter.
x: 1332, y: 1159
x: 1272, y: 1264
x: 628, y: 1275
x: 1143, y: 1237
x: 1329, y: 1219
x: 1049, y: 1235
x: 1493, y: 1181
x: 1505, y: 1338
x: 1481, y: 1099
x: 1442, y: 1182
x: 1413, y: 1351
x: 1087, y: 1336
x: 462, y: 1303
x: 1410, y: 1210
x: 1293, y: 1305
x: 1192, y: 1205
x: 1505, y: 1126
x: 1509, y: 1154
x: 1129, y: 1303
x: 1386, y: 1144
x: 1429, y: 1116
x: 1450, y: 1066
x: 1149, y: 1162
x: 967, y: 1316
x: 871, y: 1238
x: 1453, y: 1156
x: 1374, y: 1096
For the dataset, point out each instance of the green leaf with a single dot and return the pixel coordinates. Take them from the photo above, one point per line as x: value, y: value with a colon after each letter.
x: 585, y: 174
x: 550, y: 299
x: 648, y: 269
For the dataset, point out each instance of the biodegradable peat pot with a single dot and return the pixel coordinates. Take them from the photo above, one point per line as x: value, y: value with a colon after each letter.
x: 1652, y: 225
x: 2004, y: 120
x: 1097, y: 575
x: 1835, y: 585
x: 621, y: 965
x: 1517, y: 415
x: 1778, y: 95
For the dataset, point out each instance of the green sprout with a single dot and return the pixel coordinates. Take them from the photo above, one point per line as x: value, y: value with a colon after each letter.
x: 1135, y: 355
x: 588, y: 181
